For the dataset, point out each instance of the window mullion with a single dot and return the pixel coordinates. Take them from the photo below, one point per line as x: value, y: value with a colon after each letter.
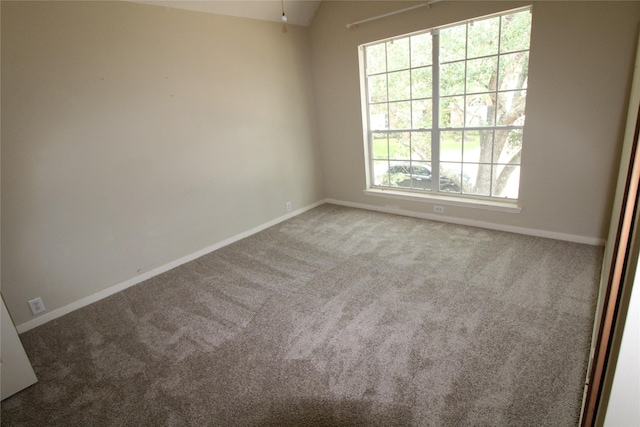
x: 410, y: 104
x: 435, y: 100
x: 371, y: 177
x: 388, y: 115
x: 476, y: 106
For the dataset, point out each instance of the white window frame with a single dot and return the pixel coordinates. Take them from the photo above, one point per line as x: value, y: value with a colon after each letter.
x: 460, y: 199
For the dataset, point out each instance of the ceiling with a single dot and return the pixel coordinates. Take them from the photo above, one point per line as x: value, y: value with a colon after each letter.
x: 299, y: 12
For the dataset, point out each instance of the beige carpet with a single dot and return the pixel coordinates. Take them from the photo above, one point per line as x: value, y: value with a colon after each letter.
x: 338, y: 317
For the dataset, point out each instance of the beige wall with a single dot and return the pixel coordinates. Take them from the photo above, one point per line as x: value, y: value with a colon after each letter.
x: 133, y: 135
x: 580, y: 72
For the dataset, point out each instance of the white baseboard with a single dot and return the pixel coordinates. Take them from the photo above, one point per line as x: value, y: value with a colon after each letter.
x: 173, y: 264
x: 47, y: 317
x: 472, y: 223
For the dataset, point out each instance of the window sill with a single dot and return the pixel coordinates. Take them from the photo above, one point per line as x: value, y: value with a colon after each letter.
x: 467, y: 202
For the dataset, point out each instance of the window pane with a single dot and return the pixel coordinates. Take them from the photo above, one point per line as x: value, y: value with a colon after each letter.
x: 450, y: 177
x: 399, y: 86
x: 513, y: 71
x: 421, y: 50
x: 481, y: 89
x: 421, y: 145
x: 469, y: 177
x: 380, y: 172
x: 485, y: 145
x: 452, y: 79
x: 421, y: 168
x: 479, y: 179
x: 378, y: 118
x: 421, y: 115
x: 398, y: 54
x: 378, y: 88
x: 421, y: 176
x: 399, y: 146
x: 516, y: 31
x: 379, y: 146
x: 482, y: 74
x: 376, y: 59
x: 471, y: 147
x: 400, y: 115
x: 511, y: 108
x: 453, y: 43
x: 451, y: 146
x: 506, y: 180
x: 399, y: 174
x: 508, y: 146
x: 452, y: 111
x: 421, y: 82
x: 479, y: 110
x: 483, y: 37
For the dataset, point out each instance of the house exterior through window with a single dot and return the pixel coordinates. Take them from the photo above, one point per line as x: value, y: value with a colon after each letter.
x: 445, y: 108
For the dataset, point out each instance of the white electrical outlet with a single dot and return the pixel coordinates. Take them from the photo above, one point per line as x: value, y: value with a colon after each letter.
x: 36, y: 305
x: 438, y: 209
x: 288, y: 206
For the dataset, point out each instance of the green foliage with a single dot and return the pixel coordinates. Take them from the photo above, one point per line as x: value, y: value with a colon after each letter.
x: 421, y: 50
x: 483, y: 81
x: 398, y: 54
x: 399, y: 88
x: 516, y: 32
x: 483, y: 37
x: 453, y: 43
x: 376, y: 59
x: 481, y: 74
x: 422, y: 82
x: 514, y: 142
x: 452, y: 78
x: 393, y: 179
x: 377, y: 88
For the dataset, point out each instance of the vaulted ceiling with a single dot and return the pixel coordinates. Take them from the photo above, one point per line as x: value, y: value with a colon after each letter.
x: 299, y: 12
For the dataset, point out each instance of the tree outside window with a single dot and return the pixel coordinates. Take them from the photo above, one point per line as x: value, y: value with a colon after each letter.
x: 449, y: 103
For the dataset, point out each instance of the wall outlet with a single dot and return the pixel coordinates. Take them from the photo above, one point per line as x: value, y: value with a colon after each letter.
x: 288, y: 206
x: 36, y: 305
x: 438, y: 209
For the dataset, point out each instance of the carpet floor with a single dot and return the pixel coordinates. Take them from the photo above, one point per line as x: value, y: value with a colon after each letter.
x: 337, y: 317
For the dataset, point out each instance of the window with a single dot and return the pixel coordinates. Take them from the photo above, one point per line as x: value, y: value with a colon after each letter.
x: 449, y: 103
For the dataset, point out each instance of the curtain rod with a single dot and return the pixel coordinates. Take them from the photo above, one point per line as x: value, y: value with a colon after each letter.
x: 427, y: 4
